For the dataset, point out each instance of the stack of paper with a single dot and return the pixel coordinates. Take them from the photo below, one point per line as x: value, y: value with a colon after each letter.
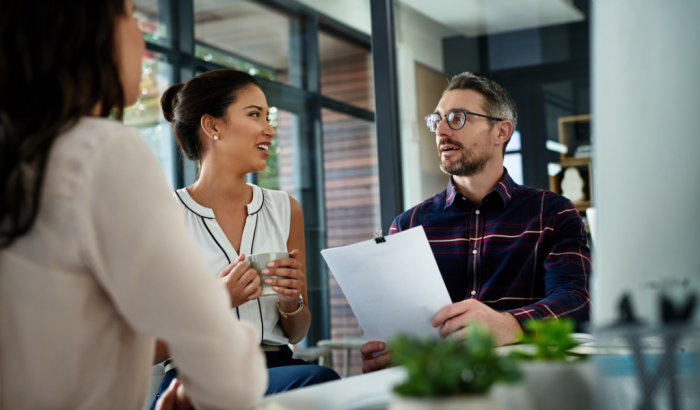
x: 392, y: 287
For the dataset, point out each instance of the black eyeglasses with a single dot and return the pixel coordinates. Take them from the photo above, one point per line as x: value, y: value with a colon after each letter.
x: 455, y: 119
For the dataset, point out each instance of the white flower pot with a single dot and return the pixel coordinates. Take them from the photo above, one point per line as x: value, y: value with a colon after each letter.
x: 471, y: 402
x: 559, y: 385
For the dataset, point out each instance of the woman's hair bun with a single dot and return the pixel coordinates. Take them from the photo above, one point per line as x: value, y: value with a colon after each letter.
x: 168, y: 101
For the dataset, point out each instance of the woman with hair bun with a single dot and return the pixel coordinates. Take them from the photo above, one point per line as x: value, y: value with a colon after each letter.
x: 220, y: 119
x: 95, y: 260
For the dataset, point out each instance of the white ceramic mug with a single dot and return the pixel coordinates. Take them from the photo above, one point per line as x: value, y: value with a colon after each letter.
x: 259, y: 262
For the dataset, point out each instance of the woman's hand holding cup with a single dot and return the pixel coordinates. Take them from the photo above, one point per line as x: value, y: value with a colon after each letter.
x: 291, y: 279
x: 241, y: 281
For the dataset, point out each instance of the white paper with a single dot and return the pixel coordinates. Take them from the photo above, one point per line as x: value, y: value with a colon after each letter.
x: 392, y: 287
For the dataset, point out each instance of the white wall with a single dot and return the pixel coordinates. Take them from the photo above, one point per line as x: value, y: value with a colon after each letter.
x: 646, y: 100
x: 419, y: 39
x: 354, y: 13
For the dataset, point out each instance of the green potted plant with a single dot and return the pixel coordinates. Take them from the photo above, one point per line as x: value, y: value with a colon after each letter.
x: 555, y: 377
x: 551, y: 340
x: 450, y: 374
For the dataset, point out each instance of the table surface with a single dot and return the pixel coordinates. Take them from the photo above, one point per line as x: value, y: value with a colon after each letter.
x: 368, y: 391
x: 374, y: 391
x: 351, y: 342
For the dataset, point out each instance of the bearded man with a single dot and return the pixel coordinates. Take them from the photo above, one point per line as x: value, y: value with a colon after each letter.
x: 507, y: 252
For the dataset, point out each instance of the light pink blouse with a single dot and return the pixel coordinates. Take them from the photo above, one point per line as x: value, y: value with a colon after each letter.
x: 107, y: 267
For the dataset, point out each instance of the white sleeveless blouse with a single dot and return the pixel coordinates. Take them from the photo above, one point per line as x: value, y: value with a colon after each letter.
x: 266, y: 230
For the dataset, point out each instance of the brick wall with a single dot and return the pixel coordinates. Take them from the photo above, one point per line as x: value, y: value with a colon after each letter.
x: 350, y: 169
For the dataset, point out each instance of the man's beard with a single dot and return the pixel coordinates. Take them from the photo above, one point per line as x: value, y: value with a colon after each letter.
x: 469, y: 164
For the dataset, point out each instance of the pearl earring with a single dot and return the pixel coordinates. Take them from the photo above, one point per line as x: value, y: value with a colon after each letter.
x: 216, y: 137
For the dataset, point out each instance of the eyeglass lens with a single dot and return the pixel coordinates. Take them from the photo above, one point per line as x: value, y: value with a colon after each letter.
x: 432, y: 122
x: 455, y: 119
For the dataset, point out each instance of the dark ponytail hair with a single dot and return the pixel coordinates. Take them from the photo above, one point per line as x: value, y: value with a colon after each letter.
x: 211, y: 93
x: 56, y: 65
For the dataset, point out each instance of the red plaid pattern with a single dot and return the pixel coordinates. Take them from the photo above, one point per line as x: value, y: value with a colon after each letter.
x: 523, y: 250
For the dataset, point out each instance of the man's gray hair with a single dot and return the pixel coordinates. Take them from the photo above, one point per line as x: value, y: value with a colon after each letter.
x: 497, y: 102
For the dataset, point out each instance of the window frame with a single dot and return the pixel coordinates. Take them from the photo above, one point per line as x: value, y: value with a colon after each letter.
x: 302, y: 97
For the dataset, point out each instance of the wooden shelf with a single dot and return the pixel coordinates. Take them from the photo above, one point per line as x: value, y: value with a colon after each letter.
x: 565, y: 132
x: 568, y: 160
x: 582, y: 205
x: 575, y: 162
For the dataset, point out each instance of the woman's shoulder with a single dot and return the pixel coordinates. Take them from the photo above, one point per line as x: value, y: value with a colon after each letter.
x: 100, y: 128
x: 273, y: 194
x: 90, y: 147
x: 91, y: 134
x: 273, y: 201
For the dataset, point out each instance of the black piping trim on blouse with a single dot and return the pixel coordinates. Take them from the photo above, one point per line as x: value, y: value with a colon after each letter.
x: 262, y: 324
x: 252, y: 243
x: 201, y: 216
x: 262, y: 204
x: 217, y: 244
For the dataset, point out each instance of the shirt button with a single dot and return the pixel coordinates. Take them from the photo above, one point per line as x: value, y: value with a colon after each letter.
x: 464, y: 198
x: 473, y: 292
x: 474, y: 251
x: 477, y: 212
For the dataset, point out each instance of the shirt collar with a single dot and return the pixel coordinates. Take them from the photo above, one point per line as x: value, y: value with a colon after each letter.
x: 451, y: 193
x: 253, y: 207
x: 504, y: 189
x: 258, y: 200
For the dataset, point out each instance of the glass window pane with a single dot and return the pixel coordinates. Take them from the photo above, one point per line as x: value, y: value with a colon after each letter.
x: 279, y: 173
x: 514, y: 165
x: 514, y: 143
x: 352, y: 206
x: 146, y: 114
x: 346, y: 71
x: 211, y: 54
x: 153, y: 21
x: 243, y: 35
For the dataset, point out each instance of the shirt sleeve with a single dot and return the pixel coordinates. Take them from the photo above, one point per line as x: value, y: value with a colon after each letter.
x: 395, y: 226
x: 401, y: 222
x: 567, y: 271
x: 135, y: 241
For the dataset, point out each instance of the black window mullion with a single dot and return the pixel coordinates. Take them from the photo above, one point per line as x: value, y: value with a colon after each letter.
x: 387, y: 111
x: 346, y: 108
x: 182, y: 32
x: 309, y: 186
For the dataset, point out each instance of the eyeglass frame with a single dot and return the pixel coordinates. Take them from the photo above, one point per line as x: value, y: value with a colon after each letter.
x: 465, y: 116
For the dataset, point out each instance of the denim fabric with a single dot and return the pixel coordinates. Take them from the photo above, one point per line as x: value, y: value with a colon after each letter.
x: 285, y: 373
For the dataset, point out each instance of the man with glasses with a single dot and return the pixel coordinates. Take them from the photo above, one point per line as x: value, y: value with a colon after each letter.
x: 507, y: 252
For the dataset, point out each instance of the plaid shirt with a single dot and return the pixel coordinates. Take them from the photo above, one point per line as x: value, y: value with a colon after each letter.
x: 523, y: 250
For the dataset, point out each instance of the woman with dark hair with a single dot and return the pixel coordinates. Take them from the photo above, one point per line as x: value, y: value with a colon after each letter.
x: 95, y: 260
x: 220, y: 118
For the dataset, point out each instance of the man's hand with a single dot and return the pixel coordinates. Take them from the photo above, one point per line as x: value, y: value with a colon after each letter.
x: 242, y: 282
x: 371, y: 363
x: 454, y: 318
x: 174, y: 398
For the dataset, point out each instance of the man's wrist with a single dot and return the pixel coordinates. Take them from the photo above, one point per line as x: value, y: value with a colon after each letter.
x: 516, y: 329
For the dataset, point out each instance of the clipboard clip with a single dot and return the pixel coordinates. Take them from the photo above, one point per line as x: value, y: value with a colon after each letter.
x: 378, y: 237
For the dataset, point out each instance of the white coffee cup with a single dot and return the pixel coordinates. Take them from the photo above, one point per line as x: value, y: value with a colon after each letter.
x: 259, y: 261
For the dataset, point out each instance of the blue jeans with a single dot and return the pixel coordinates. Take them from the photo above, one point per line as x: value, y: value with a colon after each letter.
x: 284, y: 373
